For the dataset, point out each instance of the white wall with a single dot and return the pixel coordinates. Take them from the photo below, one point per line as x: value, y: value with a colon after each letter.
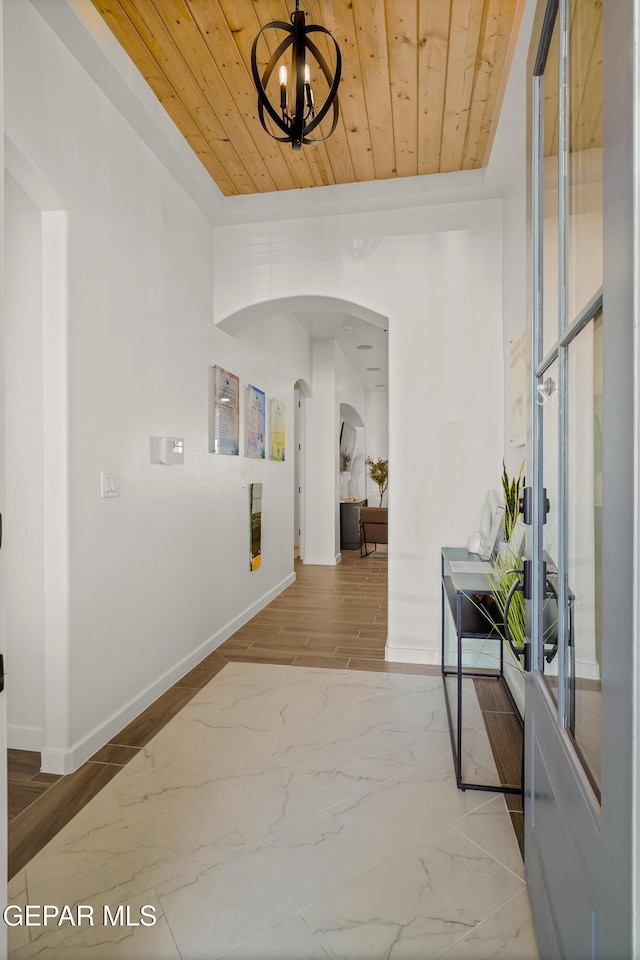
x: 160, y: 575
x: 437, y: 275
x: 24, y: 514
x: 377, y: 442
x: 322, y: 462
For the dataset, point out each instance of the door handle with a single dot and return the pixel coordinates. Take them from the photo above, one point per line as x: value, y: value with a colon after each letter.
x: 2, y: 674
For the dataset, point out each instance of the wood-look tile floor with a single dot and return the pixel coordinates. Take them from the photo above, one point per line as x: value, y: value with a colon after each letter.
x: 329, y: 617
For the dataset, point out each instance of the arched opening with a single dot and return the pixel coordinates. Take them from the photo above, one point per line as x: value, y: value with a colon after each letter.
x: 349, y: 361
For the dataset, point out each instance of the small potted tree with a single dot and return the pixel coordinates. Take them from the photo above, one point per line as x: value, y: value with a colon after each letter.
x: 379, y: 473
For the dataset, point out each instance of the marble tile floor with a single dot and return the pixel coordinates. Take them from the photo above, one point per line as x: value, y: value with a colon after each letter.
x: 329, y: 617
x: 287, y: 813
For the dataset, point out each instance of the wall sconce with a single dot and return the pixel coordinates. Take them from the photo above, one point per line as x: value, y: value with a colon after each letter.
x: 297, y: 125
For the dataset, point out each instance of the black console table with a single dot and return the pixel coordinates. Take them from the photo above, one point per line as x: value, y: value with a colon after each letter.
x: 468, y: 636
x: 350, y: 535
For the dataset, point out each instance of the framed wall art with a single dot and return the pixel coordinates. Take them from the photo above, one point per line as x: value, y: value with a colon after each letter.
x: 255, y: 423
x: 276, y: 429
x: 225, y: 433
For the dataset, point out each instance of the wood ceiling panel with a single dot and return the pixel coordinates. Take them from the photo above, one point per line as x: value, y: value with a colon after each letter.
x: 402, y: 39
x: 371, y: 31
x: 421, y: 84
x: 433, y: 29
x: 174, y: 29
x: 494, y: 42
x: 124, y: 31
x: 134, y: 27
x: 464, y: 40
x: 585, y: 80
x: 338, y: 18
x: 337, y: 146
x: 244, y: 21
x: 211, y: 23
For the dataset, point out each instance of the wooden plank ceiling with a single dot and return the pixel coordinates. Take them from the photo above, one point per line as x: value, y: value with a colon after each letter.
x: 421, y: 88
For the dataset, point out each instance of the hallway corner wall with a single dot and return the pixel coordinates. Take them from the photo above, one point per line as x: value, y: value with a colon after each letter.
x: 24, y: 470
x: 436, y: 273
x: 159, y: 575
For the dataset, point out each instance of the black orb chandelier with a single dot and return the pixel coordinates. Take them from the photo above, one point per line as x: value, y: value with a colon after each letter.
x: 296, y: 126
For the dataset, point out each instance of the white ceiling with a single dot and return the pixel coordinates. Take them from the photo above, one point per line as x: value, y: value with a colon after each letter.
x: 321, y: 325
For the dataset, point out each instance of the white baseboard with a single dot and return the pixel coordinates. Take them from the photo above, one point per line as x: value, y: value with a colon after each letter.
x: 25, y: 738
x: 58, y: 761
x: 412, y: 655
x: 328, y: 561
x: 587, y: 670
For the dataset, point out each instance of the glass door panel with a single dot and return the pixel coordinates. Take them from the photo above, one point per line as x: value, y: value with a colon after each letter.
x: 550, y: 168
x: 584, y: 387
x: 584, y: 191
x: 584, y: 542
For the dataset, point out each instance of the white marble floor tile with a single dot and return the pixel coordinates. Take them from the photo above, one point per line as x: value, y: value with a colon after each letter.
x: 417, y: 904
x: 104, y: 942
x: 211, y: 911
x: 508, y: 934
x: 408, y: 810
x: 17, y: 897
x: 343, y: 784
x: 319, y: 700
x: 459, y: 951
x: 290, y: 794
x: 490, y: 827
x: 163, y: 778
x: 478, y: 765
x: 289, y: 940
x: 400, y: 747
x: 17, y: 884
x: 274, y: 674
x: 133, y: 858
x: 99, y: 817
x: 390, y: 712
x: 264, y: 710
x: 303, y: 689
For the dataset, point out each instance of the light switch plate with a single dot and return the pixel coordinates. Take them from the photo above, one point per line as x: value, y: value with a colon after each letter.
x: 109, y: 485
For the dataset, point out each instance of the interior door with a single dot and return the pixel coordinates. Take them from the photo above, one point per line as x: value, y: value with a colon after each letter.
x: 579, y: 705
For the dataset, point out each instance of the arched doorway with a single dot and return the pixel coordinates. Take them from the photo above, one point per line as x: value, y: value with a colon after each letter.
x: 349, y: 353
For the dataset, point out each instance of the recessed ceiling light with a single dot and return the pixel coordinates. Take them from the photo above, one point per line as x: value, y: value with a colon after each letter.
x: 225, y: 400
x: 380, y: 384
x: 371, y: 369
x: 364, y: 346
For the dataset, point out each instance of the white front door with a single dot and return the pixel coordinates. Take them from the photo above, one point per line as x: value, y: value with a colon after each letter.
x: 579, y: 775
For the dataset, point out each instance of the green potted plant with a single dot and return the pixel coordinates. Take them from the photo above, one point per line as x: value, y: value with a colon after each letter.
x: 507, y: 603
x: 379, y: 473
x: 511, y: 489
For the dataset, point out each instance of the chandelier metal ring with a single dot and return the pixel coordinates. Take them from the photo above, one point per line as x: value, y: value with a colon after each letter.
x: 296, y: 128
